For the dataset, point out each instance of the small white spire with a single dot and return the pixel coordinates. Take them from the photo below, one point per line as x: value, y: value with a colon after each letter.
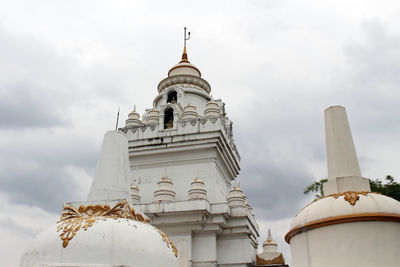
x: 165, y: 191
x: 269, y: 237
x: 197, y: 190
x: 190, y: 112
x: 135, y: 194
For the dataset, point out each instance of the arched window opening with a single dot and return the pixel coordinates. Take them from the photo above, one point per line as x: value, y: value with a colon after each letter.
x: 168, y: 118
x: 172, y: 97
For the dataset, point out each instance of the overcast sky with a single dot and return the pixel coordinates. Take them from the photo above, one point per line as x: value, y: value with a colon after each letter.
x: 66, y: 67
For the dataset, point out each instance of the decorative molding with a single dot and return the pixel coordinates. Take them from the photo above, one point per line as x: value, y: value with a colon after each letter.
x: 183, y: 80
x: 193, y: 122
x: 143, y: 128
x: 350, y: 196
x: 277, y: 260
x: 360, y: 217
x: 177, y: 66
x: 167, y: 241
x: 213, y: 120
x: 73, y: 219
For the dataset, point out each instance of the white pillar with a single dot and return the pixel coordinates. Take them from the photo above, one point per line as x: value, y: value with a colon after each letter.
x: 341, y: 154
x: 343, y: 170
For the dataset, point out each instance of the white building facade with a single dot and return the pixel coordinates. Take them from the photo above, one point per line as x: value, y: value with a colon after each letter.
x: 183, y: 164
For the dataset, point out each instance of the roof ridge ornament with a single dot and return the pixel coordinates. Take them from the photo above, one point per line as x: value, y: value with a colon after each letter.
x: 185, y: 38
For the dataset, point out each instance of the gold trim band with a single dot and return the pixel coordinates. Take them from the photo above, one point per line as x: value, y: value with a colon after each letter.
x: 360, y: 217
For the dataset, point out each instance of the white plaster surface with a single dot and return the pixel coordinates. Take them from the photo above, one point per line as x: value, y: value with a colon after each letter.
x: 331, y: 207
x: 343, y: 184
x: 341, y: 154
x: 184, y: 68
x: 200, y: 145
x: 364, y: 244
x: 111, y: 179
x: 109, y: 242
x: 212, y: 233
x: 369, y: 243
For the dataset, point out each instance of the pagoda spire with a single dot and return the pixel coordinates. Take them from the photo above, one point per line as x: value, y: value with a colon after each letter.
x: 185, y: 38
x: 269, y: 237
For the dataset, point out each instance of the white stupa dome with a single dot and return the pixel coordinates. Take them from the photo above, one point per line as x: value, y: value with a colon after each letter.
x: 351, y: 226
x: 345, y: 207
x: 115, y: 238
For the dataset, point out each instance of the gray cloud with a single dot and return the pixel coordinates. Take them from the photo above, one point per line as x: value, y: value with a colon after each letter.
x: 23, y: 107
x: 11, y: 225
x: 33, y: 83
x: 48, y: 187
x: 35, y: 172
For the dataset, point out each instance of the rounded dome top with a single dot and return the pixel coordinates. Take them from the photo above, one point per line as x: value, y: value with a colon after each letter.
x: 107, y: 239
x: 184, y: 67
x: 345, y: 207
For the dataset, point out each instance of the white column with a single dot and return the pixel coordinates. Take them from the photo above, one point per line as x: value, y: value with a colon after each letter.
x: 341, y: 154
x: 343, y: 170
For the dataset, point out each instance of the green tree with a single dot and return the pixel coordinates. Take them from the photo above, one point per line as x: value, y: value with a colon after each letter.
x: 317, y: 188
x: 391, y: 188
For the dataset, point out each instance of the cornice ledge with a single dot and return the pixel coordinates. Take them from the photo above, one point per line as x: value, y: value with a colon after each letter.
x: 184, y: 79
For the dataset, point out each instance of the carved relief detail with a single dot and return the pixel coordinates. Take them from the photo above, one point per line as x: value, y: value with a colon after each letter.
x: 167, y: 241
x: 277, y: 260
x: 350, y: 196
x: 73, y: 219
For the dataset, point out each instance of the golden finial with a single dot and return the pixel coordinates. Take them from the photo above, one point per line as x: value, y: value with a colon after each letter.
x: 185, y: 38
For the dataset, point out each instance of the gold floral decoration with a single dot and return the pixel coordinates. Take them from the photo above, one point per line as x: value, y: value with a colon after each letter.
x: 167, y: 241
x: 73, y: 219
x: 350, y: 196
x: 277, y: 260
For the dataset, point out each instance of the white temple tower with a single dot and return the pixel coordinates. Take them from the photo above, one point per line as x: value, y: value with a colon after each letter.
x: 183, y: 161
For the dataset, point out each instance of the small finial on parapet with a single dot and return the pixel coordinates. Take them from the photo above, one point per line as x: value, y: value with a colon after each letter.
x: 269, y: 237
x: 343, y: 170
x: 270, y: 255
x: 135, y: 197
